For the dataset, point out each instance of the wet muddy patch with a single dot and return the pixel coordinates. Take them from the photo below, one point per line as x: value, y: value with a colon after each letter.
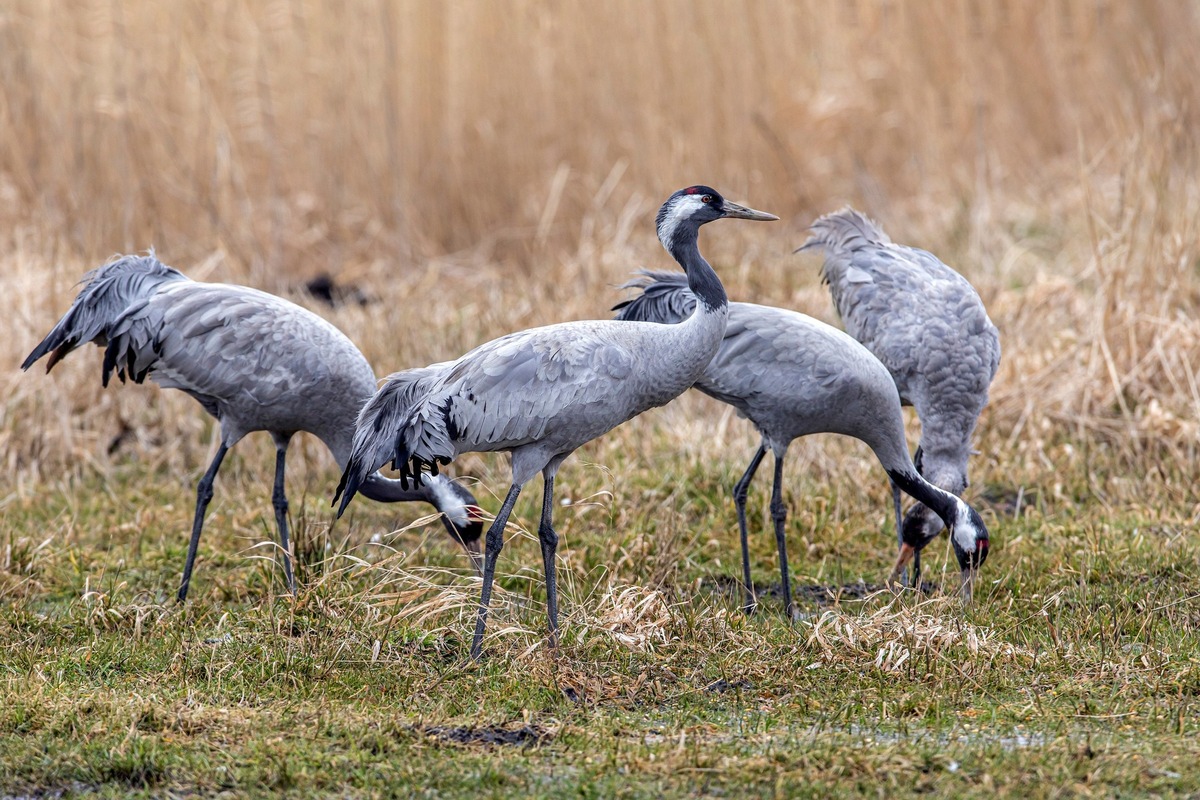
x: 722, y: 686
x: 820, y: 594
x: 490, y: 735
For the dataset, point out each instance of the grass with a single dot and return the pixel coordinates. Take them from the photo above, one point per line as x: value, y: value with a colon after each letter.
x: 470, y: 188
x: 1077, y: 669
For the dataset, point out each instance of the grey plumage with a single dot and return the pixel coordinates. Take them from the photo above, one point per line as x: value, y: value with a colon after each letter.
x: 792, y: 376
x: 540, y: 394
x: 928, y: 326
x: 252, y: 360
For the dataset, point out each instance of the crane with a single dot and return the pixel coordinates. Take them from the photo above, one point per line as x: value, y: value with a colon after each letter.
x: 927, y: 325
x: 793, y: 376
x: 929, y: 328
x: 254, y: 361
x: 541, y: 393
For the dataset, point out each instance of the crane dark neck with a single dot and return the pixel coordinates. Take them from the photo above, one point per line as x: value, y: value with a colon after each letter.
x: 387, y: 490
x: 702, y: 280
x: 942, y: 503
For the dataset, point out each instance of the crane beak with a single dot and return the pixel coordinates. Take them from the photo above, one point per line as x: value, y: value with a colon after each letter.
x: 907, y: 551
x: 968, y: 583
x: 734, y: 211
x: 475, y: 551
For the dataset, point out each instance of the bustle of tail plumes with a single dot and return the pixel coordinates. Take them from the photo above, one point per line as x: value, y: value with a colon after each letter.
x: 845, y: 229
x: 397, y: 425
x: 106, y: 295
x: 839, y: 234
x: 665, y: 298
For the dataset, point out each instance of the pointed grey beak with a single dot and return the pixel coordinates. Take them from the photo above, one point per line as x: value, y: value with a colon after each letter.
x: 968, y: 581
x: 734, y: 211
x: 475, y: 551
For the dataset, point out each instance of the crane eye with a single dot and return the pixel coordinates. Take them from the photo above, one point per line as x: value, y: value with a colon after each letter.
x: 708, y: 198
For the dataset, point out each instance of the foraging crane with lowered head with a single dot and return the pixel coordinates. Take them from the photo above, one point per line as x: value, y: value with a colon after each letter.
x: 541, y: 393
x: 792, y: 376
x: 254, y: 361
x: 927, y: 325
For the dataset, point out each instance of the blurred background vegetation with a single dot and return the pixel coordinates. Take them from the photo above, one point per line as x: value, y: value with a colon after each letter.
x: 293, y: 132
x: 479, y: 167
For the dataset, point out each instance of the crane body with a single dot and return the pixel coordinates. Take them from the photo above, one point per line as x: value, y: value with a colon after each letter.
x: 254, y: 361
x: 540, y: 394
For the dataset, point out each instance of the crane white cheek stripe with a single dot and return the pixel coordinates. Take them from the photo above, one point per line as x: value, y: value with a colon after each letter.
x: 450, y: 503
x: 965, y: 532
x: 680, y: 210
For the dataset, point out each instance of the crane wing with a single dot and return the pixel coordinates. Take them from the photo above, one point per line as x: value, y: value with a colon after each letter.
x: 774, y: 353
x: 228, y: 342
x: 516, y: 389
x: 560, y: 382
x: 105, y: 295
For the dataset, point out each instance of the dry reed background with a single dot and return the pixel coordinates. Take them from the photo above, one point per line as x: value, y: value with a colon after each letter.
x: 480, y: 167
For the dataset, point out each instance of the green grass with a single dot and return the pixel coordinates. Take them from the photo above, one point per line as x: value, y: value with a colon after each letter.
x: 1076, y: 672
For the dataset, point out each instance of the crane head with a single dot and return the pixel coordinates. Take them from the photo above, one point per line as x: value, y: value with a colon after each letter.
x: 968, y: 536
x: 461, y: 515
x: 687, y: 209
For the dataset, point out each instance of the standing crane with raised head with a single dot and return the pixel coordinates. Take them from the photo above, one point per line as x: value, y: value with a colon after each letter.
x: 792, y: 376
x: 927, y: 325
x: 254, y: 361
x: 541, y: 393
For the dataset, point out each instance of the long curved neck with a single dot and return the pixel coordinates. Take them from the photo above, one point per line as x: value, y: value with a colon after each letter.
x: 702, y: 279
x: 944, y: 504
x: 387, y: 490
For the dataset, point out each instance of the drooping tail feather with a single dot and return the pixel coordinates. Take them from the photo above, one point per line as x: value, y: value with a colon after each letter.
x: 665, y: 298
x: 385, y: 430
x: 844, y: 230
x: 106, y: 294
x: 842, y: 235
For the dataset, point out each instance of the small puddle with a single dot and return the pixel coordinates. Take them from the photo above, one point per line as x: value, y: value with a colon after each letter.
x: 1007, y: 740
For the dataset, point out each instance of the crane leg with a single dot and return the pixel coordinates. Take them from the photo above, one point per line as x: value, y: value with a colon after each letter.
x: 919, y: 463
x: 279, y: 501
x: 740, y: 492
x: 204, y: 493
x: 779, y: 517
x: 495, y: 541
x: 899, y: 525
x: 549, y: 540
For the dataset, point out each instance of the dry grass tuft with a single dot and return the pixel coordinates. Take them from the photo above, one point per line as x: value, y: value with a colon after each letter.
x: 633, y: 616
x: 892, y: 637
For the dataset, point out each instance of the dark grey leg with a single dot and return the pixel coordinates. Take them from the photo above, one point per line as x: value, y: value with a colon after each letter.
x: 899, y: 526
x: 779, y: 517
x: 549, y: 540
x: 919, y: 463
x: 740, y: 492
x: 204, y: 493
x: 495, y: 541
x: 279, y: 500
x: 899, y: 515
